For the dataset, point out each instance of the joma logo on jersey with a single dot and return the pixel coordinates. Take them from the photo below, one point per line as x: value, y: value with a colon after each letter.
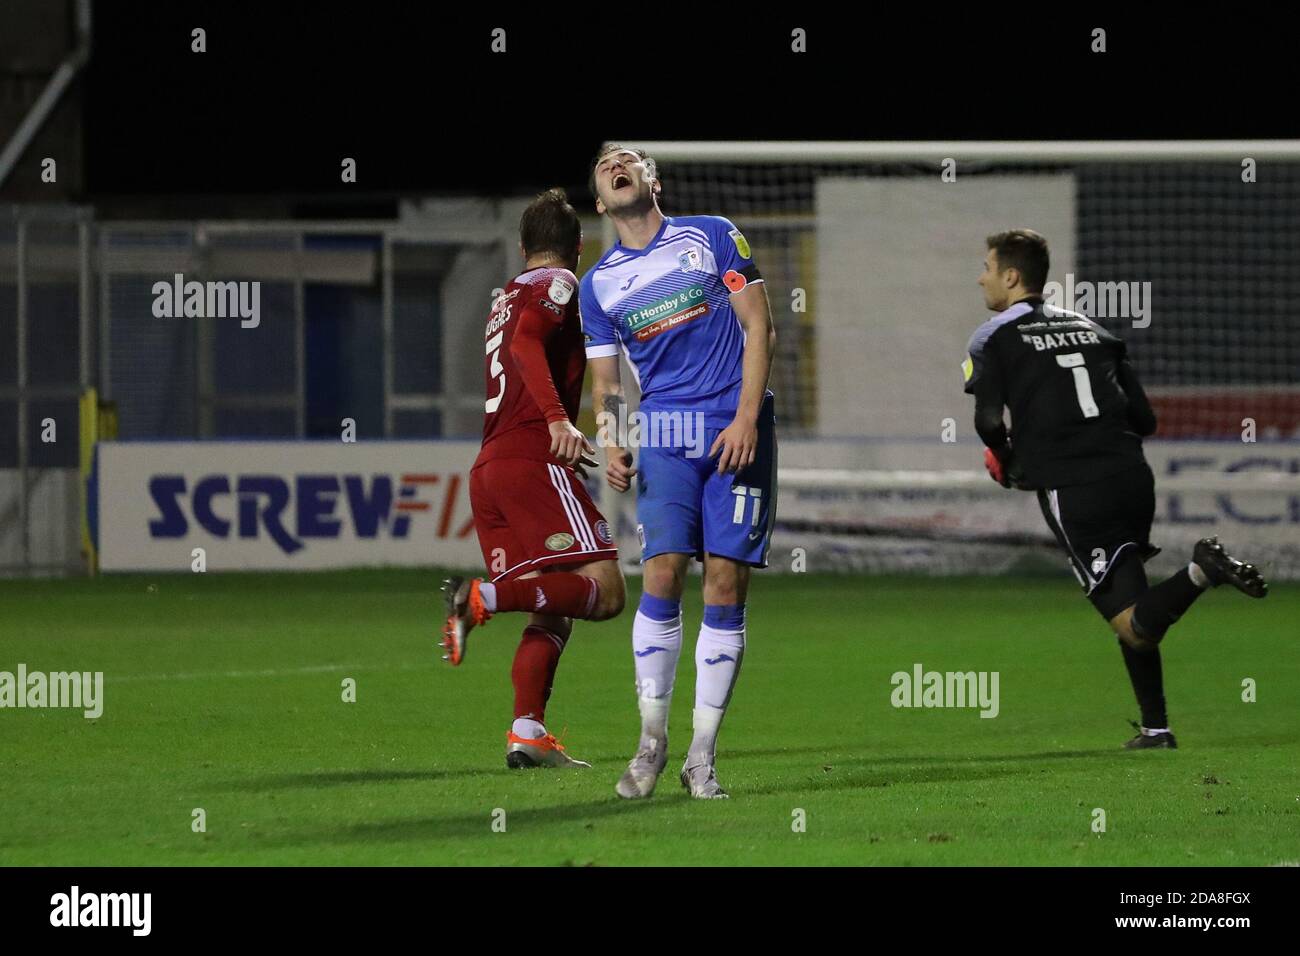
x: 669, y: 312
x: 290, y: 511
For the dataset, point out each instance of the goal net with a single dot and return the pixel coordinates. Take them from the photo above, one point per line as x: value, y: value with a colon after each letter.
x: 1189, y: 251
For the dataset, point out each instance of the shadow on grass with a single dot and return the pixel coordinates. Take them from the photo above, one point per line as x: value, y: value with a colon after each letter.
x: 864, y: 755
x: 476, y: 825
x: 865, y: 773
x: 836, y: 755
x: 342, y: 778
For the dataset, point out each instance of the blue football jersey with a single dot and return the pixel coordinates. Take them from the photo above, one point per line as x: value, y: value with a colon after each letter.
x: 668, y: 308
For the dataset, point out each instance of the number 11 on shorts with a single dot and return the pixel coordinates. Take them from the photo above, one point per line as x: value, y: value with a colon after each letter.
x: 743, y: 493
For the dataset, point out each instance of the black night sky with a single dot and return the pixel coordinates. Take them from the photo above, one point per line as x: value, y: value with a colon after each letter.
x: 414, y: 93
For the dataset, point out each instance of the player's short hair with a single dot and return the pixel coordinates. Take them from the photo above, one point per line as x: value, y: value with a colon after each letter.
x: 1025, y: 251
x: 602, y: 153
x: 550, y: 224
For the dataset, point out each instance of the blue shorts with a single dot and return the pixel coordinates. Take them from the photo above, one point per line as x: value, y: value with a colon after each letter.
x: 684, y: 506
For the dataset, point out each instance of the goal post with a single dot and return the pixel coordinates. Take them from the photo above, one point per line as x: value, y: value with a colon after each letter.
x: 934, y: 151
x: 1187, y: 249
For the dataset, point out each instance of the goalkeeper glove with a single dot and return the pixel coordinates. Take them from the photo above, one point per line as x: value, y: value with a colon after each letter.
x: 1004, y: 469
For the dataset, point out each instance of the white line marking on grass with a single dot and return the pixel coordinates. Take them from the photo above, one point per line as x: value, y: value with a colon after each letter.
x: 274, y: 672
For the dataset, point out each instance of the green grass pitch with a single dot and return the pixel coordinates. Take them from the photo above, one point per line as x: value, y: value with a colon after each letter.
x: 223, y: 692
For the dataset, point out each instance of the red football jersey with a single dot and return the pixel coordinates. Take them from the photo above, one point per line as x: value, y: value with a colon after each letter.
x: 533, y: 329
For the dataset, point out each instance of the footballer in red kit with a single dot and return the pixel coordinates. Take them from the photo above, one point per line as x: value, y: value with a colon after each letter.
x: 529, y: 517
x: 549, y: 551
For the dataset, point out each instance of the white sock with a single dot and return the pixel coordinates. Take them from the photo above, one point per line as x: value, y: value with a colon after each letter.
x: 528, y: 728
x: 704, y: 744
x: 656, y: 646
x: 718, y: 655
x: 654, y: 720
x: 1197, y: 575
x: 489, y: 594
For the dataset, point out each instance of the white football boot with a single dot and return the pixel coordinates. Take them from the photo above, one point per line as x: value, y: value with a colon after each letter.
x: 643, y: 770
x: 701, y: 781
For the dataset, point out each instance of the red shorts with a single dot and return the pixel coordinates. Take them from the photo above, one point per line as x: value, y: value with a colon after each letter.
x: 529, y: 514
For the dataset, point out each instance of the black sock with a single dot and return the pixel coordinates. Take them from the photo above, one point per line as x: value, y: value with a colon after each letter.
x: 1148, y: 680
x: 1160, y: 606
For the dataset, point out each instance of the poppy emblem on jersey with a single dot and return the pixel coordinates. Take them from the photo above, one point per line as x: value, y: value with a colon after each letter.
x: 742, y: 244
x: 561, y: 291
x: 560, y: 541
x: 690, y: 259
x: 734, y: 281
x: 603, y: 532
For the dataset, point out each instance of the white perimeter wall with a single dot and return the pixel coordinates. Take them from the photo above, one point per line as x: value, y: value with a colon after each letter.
x: 896, y: 298
x: 53, y: 521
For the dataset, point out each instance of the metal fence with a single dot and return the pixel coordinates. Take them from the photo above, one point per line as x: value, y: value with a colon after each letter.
x: 354, y: 321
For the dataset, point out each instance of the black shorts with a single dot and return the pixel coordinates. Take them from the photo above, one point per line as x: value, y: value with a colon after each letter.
x: 1105, y: 529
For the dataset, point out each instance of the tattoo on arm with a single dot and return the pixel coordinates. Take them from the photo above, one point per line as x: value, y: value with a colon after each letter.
x: 613, y: 404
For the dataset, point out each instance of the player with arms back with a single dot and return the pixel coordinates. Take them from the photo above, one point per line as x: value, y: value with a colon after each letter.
x: 681, y: 298
x: 550, y: 551
x: 1078, y: 416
